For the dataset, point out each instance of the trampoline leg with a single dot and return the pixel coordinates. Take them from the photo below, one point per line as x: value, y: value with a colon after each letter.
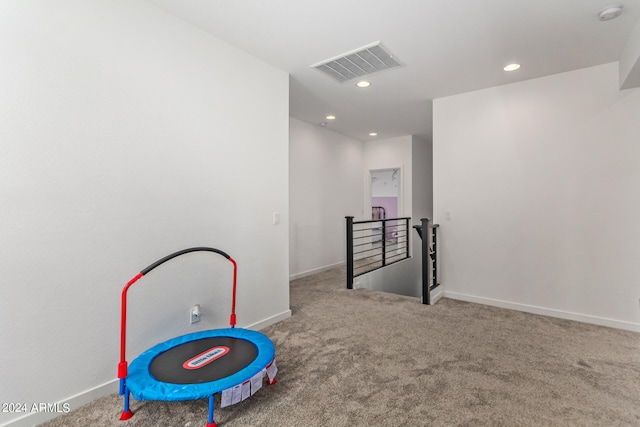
x: 210, y: 422
x: 126, y: 412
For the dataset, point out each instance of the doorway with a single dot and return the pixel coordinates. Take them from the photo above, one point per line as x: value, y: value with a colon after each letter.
x: 386, y: 189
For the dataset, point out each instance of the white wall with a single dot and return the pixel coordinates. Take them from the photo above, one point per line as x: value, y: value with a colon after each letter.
x: 126, y: 135
x: 629, y: 63
x: 422, y: 179
x: 541, y: 179
x: 325, y: 186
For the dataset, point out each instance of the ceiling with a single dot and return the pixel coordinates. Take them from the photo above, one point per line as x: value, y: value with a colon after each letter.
x: 445, y: 47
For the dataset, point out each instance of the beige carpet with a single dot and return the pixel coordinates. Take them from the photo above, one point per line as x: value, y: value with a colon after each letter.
x: 361, y: 358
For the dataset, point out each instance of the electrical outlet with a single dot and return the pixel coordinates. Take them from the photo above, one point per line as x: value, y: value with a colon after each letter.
x: 276, y: 218
x: 194, y: 314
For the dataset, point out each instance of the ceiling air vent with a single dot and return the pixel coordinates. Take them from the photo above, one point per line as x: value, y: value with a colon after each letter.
x: 358, y: 63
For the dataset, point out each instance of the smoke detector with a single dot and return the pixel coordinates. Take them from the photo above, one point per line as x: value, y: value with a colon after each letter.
x: 610, y: 12
x: 358, y: 63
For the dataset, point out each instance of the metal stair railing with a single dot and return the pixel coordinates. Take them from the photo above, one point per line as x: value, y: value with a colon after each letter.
x: 374, y: 244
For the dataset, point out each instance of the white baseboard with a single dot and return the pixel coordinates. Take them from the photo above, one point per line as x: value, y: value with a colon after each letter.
x: 73, y: 402
x: 81, y: 399
x: 585, y: 318
x: 437, y: 295
x: 270, y: 321
x: 315, y: 270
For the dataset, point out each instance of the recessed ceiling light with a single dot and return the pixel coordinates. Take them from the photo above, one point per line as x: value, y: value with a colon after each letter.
x: 373, y: 134
x: 323, y: 124
x: 363, y: 83
x: 330, y: 117
x: 511, y: 67
x: 610, y: 12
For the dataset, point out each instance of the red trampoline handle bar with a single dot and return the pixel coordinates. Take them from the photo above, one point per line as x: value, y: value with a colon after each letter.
x: 123, y: 365
x: 232, y: 319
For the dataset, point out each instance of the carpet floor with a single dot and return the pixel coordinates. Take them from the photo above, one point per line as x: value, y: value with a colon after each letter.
x: 363, y: 358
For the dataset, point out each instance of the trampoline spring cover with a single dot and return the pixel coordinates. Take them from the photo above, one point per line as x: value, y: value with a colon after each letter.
x: 144, y: 386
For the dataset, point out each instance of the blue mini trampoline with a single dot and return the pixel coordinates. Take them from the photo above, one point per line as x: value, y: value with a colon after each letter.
x: 194, y: 366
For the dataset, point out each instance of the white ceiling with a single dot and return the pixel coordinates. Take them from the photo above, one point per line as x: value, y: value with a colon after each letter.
x: 446, y: 47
